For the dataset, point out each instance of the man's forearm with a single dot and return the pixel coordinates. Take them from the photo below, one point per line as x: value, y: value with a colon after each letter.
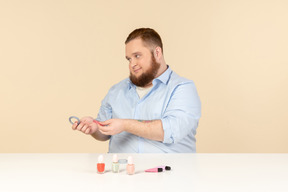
x: 148, y: 129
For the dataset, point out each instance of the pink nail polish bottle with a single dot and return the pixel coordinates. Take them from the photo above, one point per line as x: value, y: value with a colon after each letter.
x: 100, y: 164
x: 130, y: 166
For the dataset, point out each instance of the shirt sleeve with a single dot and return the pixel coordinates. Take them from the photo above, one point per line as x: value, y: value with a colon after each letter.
x: 182, y: 113
x: 105, y: 111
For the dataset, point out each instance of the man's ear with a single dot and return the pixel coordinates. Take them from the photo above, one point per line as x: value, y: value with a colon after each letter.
x: 158, y: 52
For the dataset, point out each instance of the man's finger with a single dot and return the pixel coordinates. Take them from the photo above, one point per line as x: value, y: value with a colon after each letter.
x: 80, y: 126
x: 74, y: 125
x: 87, y: 131
x: 104, y: 128
x: 104, y: 132
x: 83, y: 129
x: 107, y: 122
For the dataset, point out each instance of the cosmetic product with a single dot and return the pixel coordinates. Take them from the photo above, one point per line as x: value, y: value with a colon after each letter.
x: 122, y: 161
x: 97, y: 122
x: 78, y: 120
x: 115, y: 164
x: 100, y: 164
x: 130, y: 166
x: 165, y: 168
x: 154, y: 170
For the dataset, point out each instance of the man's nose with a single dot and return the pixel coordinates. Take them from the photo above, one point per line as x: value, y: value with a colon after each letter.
x: 133, y: 63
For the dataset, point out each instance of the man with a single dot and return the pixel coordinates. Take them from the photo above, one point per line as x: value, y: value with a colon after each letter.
x: 152, y: 111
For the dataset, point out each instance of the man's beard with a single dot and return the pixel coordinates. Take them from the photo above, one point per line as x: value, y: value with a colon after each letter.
x: 147, y: 76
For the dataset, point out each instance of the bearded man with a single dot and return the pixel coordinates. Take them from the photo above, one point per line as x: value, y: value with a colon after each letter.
x: 153, y: 111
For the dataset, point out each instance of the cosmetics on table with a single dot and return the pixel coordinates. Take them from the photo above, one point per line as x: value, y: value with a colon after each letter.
x: 154, y: 170
x: 115, y: 164
x: 165, y: 168
x: 158, y: 169
x: 122, y: 161
x: 130, y: 166
x: 100, y: 164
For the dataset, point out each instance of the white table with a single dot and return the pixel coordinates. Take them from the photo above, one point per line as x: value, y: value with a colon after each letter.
x: 190, y: 172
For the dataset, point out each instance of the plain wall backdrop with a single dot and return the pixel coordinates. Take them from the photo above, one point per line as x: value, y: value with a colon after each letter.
x: 59, y: 58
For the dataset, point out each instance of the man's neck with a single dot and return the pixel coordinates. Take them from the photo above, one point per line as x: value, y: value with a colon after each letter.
x: 161, y: 70
x: 148, y: 85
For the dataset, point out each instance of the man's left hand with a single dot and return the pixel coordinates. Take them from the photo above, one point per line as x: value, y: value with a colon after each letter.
x: 112, y: 126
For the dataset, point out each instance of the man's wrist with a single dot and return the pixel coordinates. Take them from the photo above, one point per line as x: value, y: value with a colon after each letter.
x: 125, y: 124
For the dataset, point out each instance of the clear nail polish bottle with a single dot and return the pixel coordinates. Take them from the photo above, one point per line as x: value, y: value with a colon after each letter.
x: 115, y: 164
x: 130, y: 166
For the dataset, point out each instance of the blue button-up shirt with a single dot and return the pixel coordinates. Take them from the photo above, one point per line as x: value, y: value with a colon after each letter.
x: 173, y: 100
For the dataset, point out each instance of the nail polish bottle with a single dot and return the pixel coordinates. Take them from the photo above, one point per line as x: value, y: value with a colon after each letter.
x: 115, y: 164
x: 100, y: 164
x: 130, y: 166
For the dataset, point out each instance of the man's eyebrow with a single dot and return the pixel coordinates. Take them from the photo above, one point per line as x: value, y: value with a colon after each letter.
x: 134, y: 53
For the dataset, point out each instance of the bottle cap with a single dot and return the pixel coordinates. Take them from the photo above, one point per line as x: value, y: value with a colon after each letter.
x: 115, y: 158
x: 122, y: 161
x: 100, y: 159
x: 167, y: 168
x: 130, y: 160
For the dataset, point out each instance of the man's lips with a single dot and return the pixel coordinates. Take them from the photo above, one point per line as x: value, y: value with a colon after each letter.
x: 136, y: 70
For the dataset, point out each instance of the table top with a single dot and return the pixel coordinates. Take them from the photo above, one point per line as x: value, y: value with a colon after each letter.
x: 190, y: 172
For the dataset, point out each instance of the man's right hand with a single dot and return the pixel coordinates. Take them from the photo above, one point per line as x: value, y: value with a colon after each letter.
x: 86, y: 125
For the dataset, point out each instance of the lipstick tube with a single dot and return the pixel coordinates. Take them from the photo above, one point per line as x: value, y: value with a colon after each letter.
x: 154, y: 170
x: 165, y: 168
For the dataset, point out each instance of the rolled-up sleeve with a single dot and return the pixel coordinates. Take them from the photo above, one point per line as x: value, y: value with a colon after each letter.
x: 105, y: 111
x: 182, y: 113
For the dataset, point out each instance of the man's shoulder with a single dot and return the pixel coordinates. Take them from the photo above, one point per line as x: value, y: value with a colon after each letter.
x: 176, y: 80
x: 123, y: 84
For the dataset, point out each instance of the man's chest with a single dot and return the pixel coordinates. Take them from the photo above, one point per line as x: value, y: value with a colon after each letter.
x: 151, y: 106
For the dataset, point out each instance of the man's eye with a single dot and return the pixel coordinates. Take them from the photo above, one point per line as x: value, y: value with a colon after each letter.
x: 137, y: 56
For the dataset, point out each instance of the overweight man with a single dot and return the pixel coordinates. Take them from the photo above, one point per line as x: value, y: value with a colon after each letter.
x: 153, y: 111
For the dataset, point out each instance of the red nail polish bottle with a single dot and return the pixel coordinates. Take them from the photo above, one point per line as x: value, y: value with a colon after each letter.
x: 100, y: 165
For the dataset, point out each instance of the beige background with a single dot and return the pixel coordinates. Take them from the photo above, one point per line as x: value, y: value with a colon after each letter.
x: 59, y: 58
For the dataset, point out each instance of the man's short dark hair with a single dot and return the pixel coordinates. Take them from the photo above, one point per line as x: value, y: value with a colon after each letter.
x: 149, y: 37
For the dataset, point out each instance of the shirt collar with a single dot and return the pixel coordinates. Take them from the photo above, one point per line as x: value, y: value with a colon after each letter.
x: 164, y: 78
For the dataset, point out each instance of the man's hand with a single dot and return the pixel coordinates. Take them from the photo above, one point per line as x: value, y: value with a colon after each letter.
x: 148, y: 129
x: 86, y: 126
x: 112, y: 126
